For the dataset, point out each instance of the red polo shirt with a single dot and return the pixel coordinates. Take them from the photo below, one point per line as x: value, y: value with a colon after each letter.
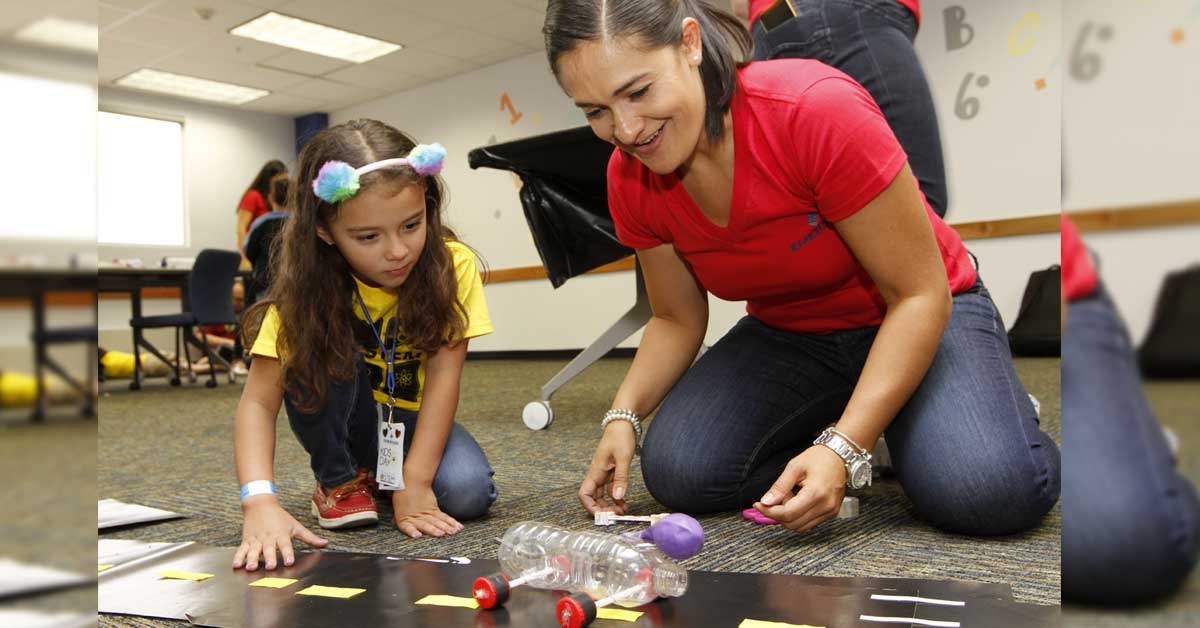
x: 811, y: 148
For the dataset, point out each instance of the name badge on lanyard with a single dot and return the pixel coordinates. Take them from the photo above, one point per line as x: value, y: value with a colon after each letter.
x: 389, y: 470
x: 389, y: 466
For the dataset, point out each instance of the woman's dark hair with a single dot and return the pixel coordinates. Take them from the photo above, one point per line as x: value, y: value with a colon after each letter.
x: 262, y: 181
x: 312, y: 287
x: 657, y: 23
x: 281, y: 185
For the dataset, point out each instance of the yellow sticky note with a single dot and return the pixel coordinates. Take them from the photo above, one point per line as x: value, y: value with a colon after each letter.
x: 449, y: 600
x: 100, y: 568
x: 758, y: 623
x: 274, y: 583
x: 339, y: 592
x: 618, y: 614
x: 175, y: 574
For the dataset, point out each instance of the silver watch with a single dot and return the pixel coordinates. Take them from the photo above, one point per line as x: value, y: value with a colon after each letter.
x: 857, y: 459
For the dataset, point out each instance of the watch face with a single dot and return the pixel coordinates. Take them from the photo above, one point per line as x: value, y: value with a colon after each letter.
x: 860, y: 475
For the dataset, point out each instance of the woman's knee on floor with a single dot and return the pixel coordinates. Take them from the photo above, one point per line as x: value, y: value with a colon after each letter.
x: 675, y: 481
x: 985, y: 494
x: 1123, y: 557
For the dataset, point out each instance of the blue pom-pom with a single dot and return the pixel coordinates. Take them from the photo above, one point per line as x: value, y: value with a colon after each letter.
x: 427, y: 159
x: 336, y: 181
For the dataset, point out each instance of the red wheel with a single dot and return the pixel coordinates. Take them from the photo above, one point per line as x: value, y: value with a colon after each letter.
x: 575, y: 611
x: 491, y: 591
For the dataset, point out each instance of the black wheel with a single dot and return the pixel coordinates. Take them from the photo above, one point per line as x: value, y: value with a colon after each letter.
x: 175, y: 381
x: 135, y: 386
x: 210, y: 384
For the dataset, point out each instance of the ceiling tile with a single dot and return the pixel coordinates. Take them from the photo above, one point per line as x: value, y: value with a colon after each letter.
x: 20, y: 14
x: 226, y: 14
x: 303, y: 63
x: 465, y: 44
x: 156, y: 31
x: 234, y: 48
x: 328, y: 91
x: 414, y: 61
x: 461, y: 12
x: 370, y: 18
x: 84, y: 11
x: 284, y: 104
x: 511, y: 51
x: 366, y: 75
x: 518, y: 25
x: 109, y: 70
x: 116, y: 50
x: 109, y: 15
x: 131, y: 5
x: 228, y: 71
x: 536, y: 5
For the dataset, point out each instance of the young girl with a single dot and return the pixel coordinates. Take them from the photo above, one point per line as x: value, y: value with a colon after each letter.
x: 363, y: 334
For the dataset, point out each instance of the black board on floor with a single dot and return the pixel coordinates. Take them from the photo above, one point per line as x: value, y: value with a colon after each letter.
x: 393, y: 584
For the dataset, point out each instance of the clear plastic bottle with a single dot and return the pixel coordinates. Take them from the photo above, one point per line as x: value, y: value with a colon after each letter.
x: 532, y: 550
x: 530, y: 554
x: 631, y: 574
x: 607, y: 568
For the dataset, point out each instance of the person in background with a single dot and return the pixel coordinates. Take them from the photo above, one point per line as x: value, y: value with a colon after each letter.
x: 872, y: 41
x: 260, y: 239
x: 254, y: 201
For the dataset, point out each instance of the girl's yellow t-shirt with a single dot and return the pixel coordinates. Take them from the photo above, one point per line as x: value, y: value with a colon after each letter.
x: 408, y: 363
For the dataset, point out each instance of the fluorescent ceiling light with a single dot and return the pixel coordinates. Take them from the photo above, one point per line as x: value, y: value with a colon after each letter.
x: 191, y: 87
x: 60, y: 33
x: 291, y: 32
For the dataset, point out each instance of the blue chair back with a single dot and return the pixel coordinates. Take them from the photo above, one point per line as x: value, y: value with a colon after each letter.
x: 210, y: 286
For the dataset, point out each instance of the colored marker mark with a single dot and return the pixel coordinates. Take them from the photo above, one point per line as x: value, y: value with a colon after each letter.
x: 507, y: 103
x: 338, y: 592
x: 100, y: 568
x: 1040, y: 84
x: 274, y: 583
x: 1018, y: 42
x: 1177, y: 36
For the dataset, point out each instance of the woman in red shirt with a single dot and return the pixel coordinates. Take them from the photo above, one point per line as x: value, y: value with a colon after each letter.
x: 781, y: 184
x: 254, y: 201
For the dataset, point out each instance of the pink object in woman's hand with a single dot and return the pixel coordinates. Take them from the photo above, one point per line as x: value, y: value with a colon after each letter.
x: 757, y: 517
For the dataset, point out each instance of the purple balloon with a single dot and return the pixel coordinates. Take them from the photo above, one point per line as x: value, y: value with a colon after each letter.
x: 677, y: 535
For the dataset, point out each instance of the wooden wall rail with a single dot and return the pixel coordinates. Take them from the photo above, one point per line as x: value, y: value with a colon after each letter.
x: 1090, y: 221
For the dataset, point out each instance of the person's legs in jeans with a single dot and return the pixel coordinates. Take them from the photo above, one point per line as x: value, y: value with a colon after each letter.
x: 967, y: 447
x: 871, y: 40
x: 463, y: 483
x: 1131, y: 523
x: 751, y: 403
x: 339, y: 437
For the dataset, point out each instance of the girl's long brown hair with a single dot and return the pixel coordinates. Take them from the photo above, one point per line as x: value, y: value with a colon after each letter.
x: 313, y: 289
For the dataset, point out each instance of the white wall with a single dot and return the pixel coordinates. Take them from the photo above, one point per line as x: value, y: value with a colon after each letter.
x: 223, y: 151
x: 1130, y: 131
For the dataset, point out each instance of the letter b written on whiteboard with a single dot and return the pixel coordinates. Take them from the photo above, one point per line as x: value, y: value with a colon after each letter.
x: 958, y: 32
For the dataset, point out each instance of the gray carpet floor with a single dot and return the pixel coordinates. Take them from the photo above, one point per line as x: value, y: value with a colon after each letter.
x: 172, y: 448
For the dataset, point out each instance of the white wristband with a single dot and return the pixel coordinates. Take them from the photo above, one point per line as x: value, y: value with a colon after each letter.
x: 257, y: 487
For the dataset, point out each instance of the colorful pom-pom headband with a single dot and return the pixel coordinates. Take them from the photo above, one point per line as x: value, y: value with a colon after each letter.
x: 338, y: 180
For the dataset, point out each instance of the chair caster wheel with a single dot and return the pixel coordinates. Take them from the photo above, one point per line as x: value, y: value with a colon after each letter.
x: 537, y: 415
